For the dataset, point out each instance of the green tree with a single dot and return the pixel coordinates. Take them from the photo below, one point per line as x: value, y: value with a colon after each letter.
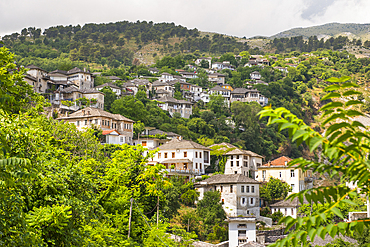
x: 139, y: 127
x: 344, y: 143
x: 109, y: 98
x: 274, y: 189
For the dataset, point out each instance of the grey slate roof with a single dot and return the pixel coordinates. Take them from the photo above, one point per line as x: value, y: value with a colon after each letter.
x: 182, y: 144
x: 238, y: 151
x: 108, y: 84
x: 77, y: 70
x: 240, y: 91
x: 289, y: 203
x: 157, y: 131
x: 30, y: 77
x: 58, y: 71
x: 95, y: 112
x: 219, y: 88
x: 113, y: 77
x: 31, y: 66
x: 229, y: 179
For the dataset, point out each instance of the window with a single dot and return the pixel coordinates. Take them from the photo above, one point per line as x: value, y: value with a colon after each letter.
x: 293, y: 185
x: 159, y: 155
x: 196, y: 165
x: 200, y: 166
x: 247, y: 189
x: 248, y: 212
x: 215, y: 188
x: 242, y: 189
x: 165, y: 155
x: 90, y: 121
x: 231, y: 189
x: 252, y: 189
x: 242, y: 233
x: 264, y: 174
x: 121, y: 139
x: 200, y: 154
x: 280, y: 174
x: 173, y: 154
x: 252, y: 201
x: 286, y: 211
x: 78, y: 123
x: 185, y: 154
x: 108, y: 123
x: 245, y: 163
x: 232, y: 156
x: 96, y: 121
x: 292, y: 211
x: 222, y: 188
x: 292, y: 173
x: 85, y: 122
x: 196, y: 154
x: 237, y: 163
x: 235, y: 172
x: 231, y: 163
x: 143, y: 143
x: 243, y: 201
x: 237, y: 157
x: 206, y: 157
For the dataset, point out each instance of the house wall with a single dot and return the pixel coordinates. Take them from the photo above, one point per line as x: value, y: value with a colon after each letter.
x: 234, y: 229
x: 286, y: 211
x: 284, y: 174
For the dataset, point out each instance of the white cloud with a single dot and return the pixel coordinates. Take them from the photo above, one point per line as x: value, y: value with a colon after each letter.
x: 233, y: 17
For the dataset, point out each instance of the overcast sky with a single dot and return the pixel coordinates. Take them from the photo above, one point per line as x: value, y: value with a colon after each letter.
x: 233, y: 17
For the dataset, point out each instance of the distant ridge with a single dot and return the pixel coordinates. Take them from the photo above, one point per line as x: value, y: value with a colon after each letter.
x: 352, y: 30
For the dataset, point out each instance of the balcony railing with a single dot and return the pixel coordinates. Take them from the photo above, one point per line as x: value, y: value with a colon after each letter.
x: 185, y: 171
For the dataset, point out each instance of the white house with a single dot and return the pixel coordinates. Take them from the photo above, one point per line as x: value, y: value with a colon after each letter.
x: 196, y: 90
x: 255, y: 75
x: 241, y: 230
x: 239, y: 194
x: 248, y: 95
x: 119, y: 129
x: 166, y: 77
x: 293, y: 176
x: 208, y: 59
x: 287, y: 207
x: 172, y: 105
x: 183, y: 157
x: 116, y: 89
x: 243, y: 162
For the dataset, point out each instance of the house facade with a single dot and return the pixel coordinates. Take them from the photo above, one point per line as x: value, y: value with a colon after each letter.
x: 293, y: 176
x: 172, y: 105
x: 248, y: 95
x: 112, y: 124
x: 217, y: 78
x: 183, y: 157
x: 239, y: 194
x: 255, y: 75
x: 243, y: 162
x: 116, y: 89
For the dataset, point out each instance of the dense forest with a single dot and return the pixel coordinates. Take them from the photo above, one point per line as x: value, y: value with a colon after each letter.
x: 111, y: 44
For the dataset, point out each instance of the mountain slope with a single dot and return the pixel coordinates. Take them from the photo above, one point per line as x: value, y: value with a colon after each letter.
x: 352, y: 30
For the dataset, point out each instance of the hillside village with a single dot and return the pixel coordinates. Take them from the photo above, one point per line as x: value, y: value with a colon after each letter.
x: 198, y: 148
x: 239, y: 184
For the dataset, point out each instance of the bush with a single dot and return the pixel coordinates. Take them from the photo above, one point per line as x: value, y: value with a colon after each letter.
x: 277, y: 216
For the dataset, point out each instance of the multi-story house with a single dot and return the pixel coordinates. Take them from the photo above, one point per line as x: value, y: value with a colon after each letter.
x: 288, y: 207
x: 221, y: 91
x: 38, y: 78
x: 188, y: 75
x: 248, y: 95
x: 243, y: 162
x: 196, y: 90
x: 172, y: 105
x: 217, y: 78
x: 116, y: 128
x: 293, y: 176
x: 239, y: 194
x: 73, y: 93
x: 183, y: 157
x: 116, y: 89
x: 255, y: 75
x: 160, y: 85
x: 165, y: 77
x: 153, y: 70
x: 83, y: 79
x: 199, y: 60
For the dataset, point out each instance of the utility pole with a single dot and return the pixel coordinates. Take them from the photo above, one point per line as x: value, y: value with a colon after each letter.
x: 129, y: 219
x: 157, y: 211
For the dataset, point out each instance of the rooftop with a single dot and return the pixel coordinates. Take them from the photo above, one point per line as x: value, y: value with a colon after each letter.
x: 228, y: 179
x: 182, y: 144
x: 95, y: 112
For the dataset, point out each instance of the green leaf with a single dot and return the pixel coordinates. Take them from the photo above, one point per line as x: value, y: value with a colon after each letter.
x: 351, y: 92
x: 336, y: 211
x: 331, y: 95
x: 331, y: 105
x: 315, y: 142
x: 353, y: 102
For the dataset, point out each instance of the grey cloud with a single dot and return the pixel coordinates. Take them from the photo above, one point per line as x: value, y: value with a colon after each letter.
x: 316, y: 8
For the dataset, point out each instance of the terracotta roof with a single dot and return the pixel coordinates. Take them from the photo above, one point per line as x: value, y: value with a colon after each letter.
x: 182, y: 144
x: 228, y: 179
x: 107, y: 132
x: 95, y: 112
x: 281, y: 161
